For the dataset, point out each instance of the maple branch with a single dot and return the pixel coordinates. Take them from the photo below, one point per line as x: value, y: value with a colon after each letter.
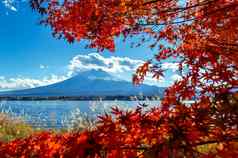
x: 151, y: 2
x: 166, y: 23
x: 217, y: 141
x: 221, y: 9
x: 223, y: 42
x: 228, y: 139
x: 181, y: 8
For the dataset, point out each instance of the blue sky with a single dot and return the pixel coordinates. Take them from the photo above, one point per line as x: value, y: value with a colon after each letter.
x: 28, y: 50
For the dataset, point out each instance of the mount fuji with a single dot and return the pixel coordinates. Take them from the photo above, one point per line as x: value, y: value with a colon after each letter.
x: 88, y: 83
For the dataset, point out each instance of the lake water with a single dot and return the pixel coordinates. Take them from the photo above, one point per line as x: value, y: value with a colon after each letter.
x: 56, y: 114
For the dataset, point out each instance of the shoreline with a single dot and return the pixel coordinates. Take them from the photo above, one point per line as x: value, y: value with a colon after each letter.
x: 78, y: 98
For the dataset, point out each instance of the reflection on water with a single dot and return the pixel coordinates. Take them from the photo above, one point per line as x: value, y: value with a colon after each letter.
x: 56, y: 113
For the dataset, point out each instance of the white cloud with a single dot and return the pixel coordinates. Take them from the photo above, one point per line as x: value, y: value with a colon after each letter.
x: 24, y: 83
x: 95, y: 61
x: 10, y: 4
x: 172, y: 66
x: 43, y: 66
x: 176, y: 77
x: 153, y: 81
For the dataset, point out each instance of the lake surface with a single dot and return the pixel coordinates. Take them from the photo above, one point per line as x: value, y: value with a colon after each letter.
x: 56, y: 114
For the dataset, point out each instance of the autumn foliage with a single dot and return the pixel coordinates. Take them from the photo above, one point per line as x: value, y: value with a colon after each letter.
x: 176, y: 132
x: 201, y: 35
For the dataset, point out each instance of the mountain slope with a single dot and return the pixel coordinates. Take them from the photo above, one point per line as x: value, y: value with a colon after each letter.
x: 89, y: 83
